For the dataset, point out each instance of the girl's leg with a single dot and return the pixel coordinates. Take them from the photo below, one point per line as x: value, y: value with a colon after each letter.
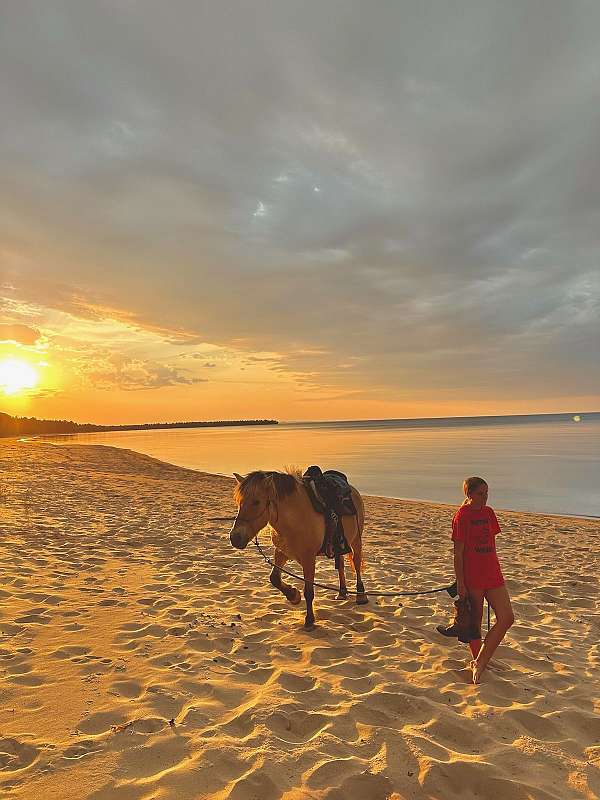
x: 500, y: 601
x: 476, y: 596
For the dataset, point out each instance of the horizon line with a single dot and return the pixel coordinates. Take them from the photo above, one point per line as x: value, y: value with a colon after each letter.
x: 428, y: 419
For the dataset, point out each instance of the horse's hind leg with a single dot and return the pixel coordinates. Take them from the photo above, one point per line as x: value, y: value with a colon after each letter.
x: 308, y: 569
x: 343, y: 592
x: 292, y: 594
x: 361, y: 595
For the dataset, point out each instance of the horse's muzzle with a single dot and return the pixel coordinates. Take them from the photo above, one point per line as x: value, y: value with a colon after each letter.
x: 237, y: 539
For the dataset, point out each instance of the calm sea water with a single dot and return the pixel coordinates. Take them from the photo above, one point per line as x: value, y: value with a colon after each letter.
x: 545, y: 463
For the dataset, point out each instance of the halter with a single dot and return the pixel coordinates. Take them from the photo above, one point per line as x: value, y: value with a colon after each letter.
x: 256, y: 516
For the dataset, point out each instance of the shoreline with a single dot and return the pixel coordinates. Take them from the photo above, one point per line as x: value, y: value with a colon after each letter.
x: 141, y: 655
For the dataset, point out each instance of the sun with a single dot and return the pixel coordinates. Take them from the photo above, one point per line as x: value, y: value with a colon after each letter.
x: 15, y: 376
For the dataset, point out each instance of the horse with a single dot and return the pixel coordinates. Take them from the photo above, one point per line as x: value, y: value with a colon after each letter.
x: 297, y: 530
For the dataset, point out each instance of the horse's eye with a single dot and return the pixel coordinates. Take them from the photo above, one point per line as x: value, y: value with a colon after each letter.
x: 256, y: 502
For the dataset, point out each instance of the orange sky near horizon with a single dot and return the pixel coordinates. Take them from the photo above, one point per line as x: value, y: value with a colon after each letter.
x: 240, y: 390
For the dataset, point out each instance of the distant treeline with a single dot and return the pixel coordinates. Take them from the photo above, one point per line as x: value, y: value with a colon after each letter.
x: 14, y: 426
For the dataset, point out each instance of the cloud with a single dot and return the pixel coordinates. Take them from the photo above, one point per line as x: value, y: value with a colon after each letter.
x: 19, y: 334
x: 131, y: 374
x: 161, y: 169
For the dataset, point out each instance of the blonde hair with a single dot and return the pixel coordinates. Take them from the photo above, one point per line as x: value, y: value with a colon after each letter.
x: 469, y: 485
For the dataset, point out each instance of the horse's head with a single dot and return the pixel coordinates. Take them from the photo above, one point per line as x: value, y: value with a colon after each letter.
x: 255, y: 496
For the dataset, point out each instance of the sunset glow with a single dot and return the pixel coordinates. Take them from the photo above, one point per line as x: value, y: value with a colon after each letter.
x: 17, y: 376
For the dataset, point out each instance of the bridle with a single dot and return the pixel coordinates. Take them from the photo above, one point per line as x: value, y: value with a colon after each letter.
x: 256, y: 516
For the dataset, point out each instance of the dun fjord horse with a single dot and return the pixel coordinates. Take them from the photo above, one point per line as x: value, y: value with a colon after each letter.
x: 281, y: 500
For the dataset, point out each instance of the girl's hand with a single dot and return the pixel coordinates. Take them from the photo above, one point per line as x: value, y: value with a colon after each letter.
x: 462, y: 590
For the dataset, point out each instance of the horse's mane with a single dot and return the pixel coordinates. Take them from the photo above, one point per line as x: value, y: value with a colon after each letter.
x: 282, y: 483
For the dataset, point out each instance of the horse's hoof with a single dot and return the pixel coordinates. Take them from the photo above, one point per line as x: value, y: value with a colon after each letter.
x: 296, y: 598
x: 341, y: 595
x: 361, y: 599
x: 309, y: 626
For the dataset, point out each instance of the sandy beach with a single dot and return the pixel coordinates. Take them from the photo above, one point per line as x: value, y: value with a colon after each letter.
x: 143, y: 658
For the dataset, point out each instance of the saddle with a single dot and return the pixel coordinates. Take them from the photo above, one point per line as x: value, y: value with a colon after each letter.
x: 330, y: 495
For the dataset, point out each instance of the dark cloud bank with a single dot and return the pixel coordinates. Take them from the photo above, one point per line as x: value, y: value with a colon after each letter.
x: 409, y: 188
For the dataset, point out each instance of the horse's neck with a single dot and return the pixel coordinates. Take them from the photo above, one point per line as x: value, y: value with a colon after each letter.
x: 290, y: 510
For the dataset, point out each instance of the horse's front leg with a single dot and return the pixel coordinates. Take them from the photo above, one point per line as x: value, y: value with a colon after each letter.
x: 292, y: 594
x: 343, y: 592
x: 361, y: 595
x: 308, y: 569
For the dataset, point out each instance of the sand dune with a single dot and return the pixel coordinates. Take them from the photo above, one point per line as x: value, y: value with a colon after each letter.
x: 142, y: 658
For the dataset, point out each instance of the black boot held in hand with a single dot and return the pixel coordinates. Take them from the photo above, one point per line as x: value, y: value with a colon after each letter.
x: 463, y: 625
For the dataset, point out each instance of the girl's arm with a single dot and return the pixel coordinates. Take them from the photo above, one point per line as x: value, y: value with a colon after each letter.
x: 459, y: 550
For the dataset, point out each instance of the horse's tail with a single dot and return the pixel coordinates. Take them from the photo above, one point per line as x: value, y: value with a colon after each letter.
x: 357, y: 543
x: 360, y: 526
x: 363, y: 562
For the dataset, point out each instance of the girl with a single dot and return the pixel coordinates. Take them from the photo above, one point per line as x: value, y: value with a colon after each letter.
x: 477, y: 569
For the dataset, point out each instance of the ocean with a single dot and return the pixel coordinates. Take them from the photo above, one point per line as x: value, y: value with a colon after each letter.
x: 548, y: 463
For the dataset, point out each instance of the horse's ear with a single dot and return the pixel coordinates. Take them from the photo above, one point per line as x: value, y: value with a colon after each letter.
x: 239, y: 478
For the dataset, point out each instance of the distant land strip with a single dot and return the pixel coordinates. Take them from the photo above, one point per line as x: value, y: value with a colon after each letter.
x: 15, y: 426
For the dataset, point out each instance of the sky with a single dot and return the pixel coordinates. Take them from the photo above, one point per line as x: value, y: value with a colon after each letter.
x: 299, y: 210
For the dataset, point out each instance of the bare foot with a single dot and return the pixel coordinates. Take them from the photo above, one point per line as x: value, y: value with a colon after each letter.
x: 476, y: 672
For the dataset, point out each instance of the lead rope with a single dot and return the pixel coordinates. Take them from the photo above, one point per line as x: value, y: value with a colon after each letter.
x: 451, y: 589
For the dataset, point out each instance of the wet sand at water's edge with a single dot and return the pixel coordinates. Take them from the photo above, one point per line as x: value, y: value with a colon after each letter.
x: 142, y: 658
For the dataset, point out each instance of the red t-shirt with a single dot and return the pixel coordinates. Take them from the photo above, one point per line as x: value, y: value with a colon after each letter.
x: 477, y: 528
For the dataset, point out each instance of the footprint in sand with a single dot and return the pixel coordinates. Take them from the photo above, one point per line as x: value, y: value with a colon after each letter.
x: 256, y: 674
x: 32, y: 680
x: 47, y: 599
x: 296, y: 725
x: 198, y: 718
x: 141, y: 631
x: 327, y: 656
x: 153, y: 758
x: 540, y: 727
x: 448, y: 779
x: 358, y: 686
x: 127, y: 688
x: 101, y: 722
x: 240, y: 726
x: 149, y: 725
x: 13, y: 663
x: 70, y: 652
x: 36, y: 616
x: 329, y: 773
x: 255, y: 784
x: 73, y: 613
x: 357, y: 787
x: 85, y: 747
x: 164, y: 703
x: 296, y: 683
x: 349, y: 669
x: 200, y: 643
x: 73, y: 627
x: 171, y: 661
x: 15, y: 755
x: 146, y: 601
